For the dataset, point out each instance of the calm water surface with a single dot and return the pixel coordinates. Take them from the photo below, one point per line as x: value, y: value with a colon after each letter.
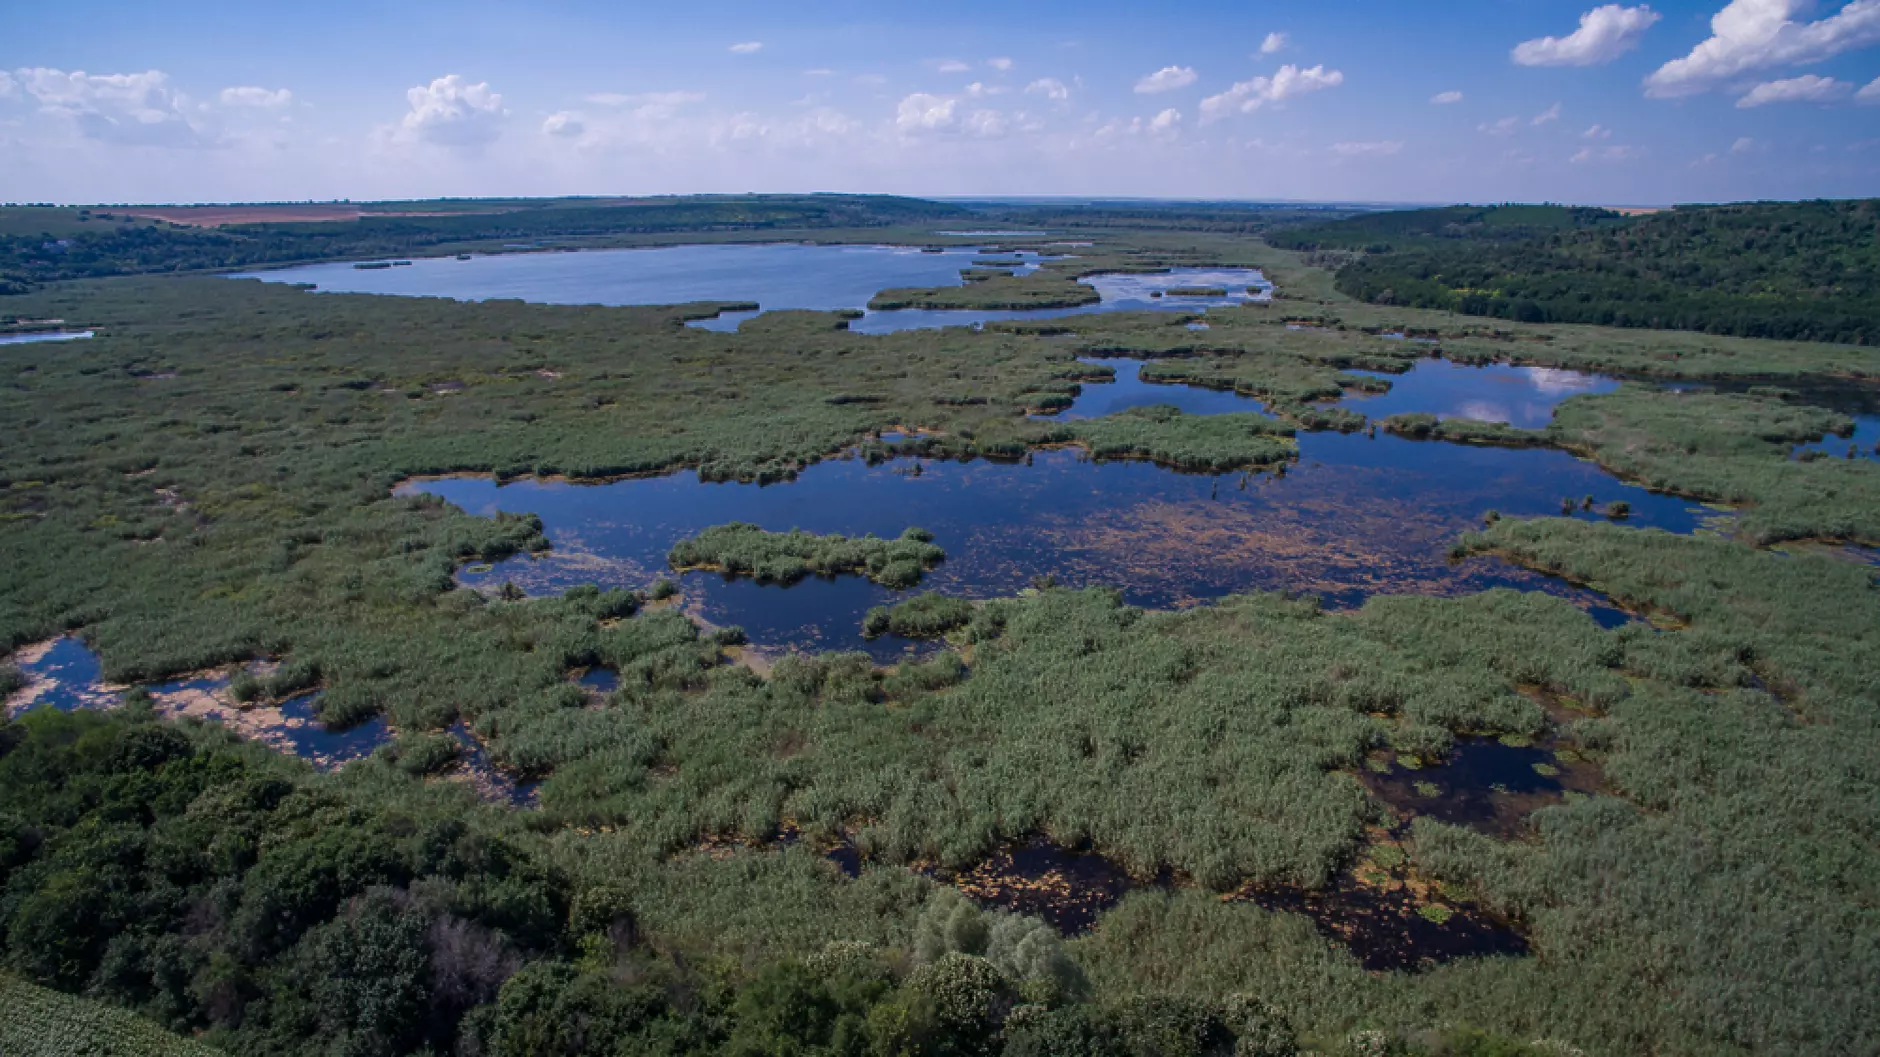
x: 1523, y: 397
x: 775, y: 275
x: 1354, y: 517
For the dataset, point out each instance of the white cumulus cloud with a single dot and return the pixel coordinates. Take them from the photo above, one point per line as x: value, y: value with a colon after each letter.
x: 1605, y: 33
x: 1445, y: 98
x: 747, y: 47
x: 1869, y: 94
x: 923, y: 111
x: 1049, y: 87
x: 260, y: 97
x: 1166, y: 79
x: 1166, y: 121
x: 131, y: 109
x: 1750, y: 35
x: 1288, y: 81
x: 1272, y: 43
x: 451, y: 112
x: 1743, y: 145
x: 1807, y: 88
x: 953, y: 66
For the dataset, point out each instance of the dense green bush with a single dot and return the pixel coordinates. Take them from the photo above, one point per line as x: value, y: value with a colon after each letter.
x: 923, y: 616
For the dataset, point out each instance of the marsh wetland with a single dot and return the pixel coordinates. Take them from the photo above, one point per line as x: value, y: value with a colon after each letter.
x: 1211, y: 633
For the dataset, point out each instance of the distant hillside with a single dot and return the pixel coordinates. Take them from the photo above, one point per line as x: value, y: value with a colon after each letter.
x: 1798, y: 270
x: 40, y: 245
x: 36, y: 1022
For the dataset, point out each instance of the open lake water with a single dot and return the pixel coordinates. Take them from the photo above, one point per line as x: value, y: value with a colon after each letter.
x: 774, y: 275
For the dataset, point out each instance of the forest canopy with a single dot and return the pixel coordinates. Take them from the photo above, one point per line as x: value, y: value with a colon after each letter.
x: 1796, y: 270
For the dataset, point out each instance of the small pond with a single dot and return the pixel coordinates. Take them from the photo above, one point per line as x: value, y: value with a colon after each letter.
x: 1523, y: 397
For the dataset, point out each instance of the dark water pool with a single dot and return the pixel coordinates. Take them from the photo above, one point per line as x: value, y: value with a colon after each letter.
x: 1864, y: 443
x: 1487, y: 784
x: 1381, y: 917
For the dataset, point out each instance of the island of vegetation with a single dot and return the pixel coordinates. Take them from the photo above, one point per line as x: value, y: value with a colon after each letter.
x: 743, y: 549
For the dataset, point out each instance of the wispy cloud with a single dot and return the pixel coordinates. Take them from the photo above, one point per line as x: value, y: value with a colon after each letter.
x: 1287, y: 82
x: 1375, y: 148
x: 565, y: 124
x: 1612, y: 154
x: 1446, y: 98
x: 645, y: 98
x: 748, y: 47
x: 1274, y: 42
x: 1049, y: 87
x: 1807, y: 88
x: 1001, y: 63
x: 1166, y: 79
x: 257, y: 97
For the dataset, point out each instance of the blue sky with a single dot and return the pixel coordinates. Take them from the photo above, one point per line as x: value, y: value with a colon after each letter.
x: 1385, y: 100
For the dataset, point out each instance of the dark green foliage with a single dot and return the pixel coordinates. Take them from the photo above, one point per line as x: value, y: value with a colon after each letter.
x: 743, y: 549
x: 422, y: 754
x: 923, y: 616
x: 1798, y: 270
